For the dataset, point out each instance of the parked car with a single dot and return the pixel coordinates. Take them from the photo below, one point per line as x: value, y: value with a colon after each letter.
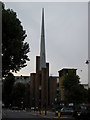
x: 82, y: 112
x: 16, y: 108
x: 67, y: 111
x: 32, y: 108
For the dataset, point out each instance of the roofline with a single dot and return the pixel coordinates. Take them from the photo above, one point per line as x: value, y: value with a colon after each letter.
x: 67, y: 69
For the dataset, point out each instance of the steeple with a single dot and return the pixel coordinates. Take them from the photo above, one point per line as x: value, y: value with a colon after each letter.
x: 42, y: 45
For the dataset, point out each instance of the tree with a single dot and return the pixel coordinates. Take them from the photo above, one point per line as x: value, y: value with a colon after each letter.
x: 14, y: 49
x: 18, y: 94
x: 89, y: 95
x: 73, y: 90
x: 7, y: 89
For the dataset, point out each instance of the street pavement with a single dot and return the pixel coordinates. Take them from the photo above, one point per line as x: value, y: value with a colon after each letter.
x: 8, y: 114
x: 50, y: 115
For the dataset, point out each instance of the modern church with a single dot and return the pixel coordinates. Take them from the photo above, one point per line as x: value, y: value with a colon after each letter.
x: 45, y: 89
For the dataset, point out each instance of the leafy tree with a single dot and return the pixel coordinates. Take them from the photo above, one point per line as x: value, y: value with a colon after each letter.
x: 14, y: 49
x: 7, y: 89
x: 89, y: 95
x: 18, y: 94
x: 73, y: 90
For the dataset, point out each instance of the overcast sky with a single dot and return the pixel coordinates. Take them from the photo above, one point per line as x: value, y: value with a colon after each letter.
x: 66, y: 35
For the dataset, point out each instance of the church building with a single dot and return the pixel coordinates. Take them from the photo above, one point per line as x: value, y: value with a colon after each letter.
x: 39, y: 80
x: 45, y: 90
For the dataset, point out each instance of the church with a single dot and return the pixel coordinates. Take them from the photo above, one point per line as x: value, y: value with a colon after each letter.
x: 45, y: 90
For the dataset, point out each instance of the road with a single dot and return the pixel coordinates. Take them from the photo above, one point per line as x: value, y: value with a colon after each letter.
x: 7, y: 113
x: 27, y: 115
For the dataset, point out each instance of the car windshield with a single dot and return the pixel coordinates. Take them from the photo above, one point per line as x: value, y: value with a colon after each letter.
x: 66, y: 109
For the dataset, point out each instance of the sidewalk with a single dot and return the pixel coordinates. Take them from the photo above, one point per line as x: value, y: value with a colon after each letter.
x: 49, y: 114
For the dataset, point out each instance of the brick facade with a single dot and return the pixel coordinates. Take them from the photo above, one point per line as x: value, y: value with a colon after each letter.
x: 61, y: 77
x: 39, y: 85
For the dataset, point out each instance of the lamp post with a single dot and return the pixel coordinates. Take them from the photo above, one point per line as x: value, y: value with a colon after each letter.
x: 87, y: 61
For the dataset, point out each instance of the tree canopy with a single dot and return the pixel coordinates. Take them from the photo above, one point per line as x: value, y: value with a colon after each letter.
x: 18, y: 94
x: 7, y: 88
x: 14, y: 48
x: 73, y: 90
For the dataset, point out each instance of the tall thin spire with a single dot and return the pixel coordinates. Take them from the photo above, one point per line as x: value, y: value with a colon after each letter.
x: 42, y: 45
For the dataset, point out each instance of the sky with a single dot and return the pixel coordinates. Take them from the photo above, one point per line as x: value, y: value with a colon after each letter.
x: 66, y: 35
